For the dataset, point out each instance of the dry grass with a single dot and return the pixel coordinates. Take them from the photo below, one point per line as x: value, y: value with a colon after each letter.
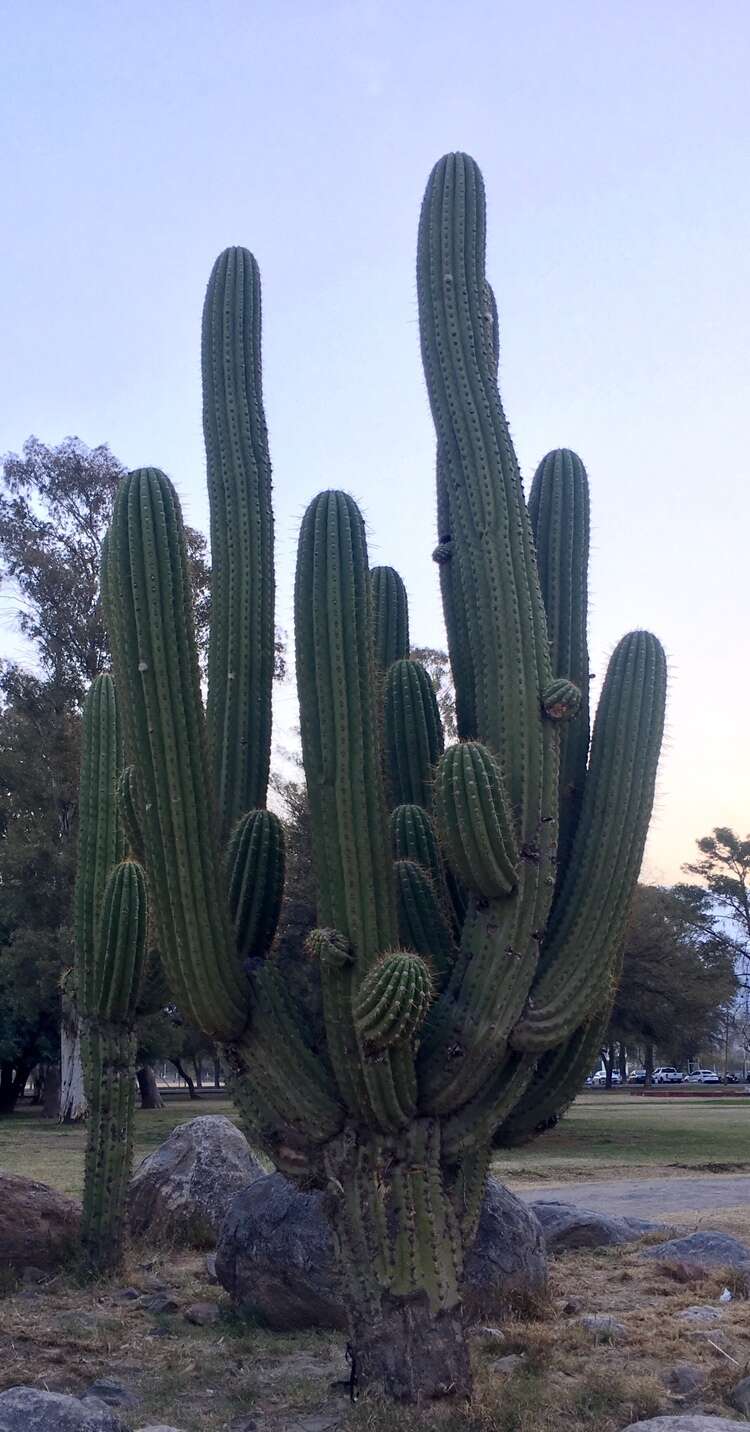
x: 63, y: 1336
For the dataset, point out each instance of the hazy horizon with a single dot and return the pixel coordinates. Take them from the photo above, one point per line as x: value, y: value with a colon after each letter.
x: 138, y: 143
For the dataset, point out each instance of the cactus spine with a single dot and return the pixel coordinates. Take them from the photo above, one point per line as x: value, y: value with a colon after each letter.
x: 110, y: 933
x: 463, y: 969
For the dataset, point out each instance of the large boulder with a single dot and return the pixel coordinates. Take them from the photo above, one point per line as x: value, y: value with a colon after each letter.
x: 567, y: 1227
x: 180, y: 1194
x: 38, y: 1226
x: 30, y: 1409
x: 704, y: 1249
x: 276, y: 1257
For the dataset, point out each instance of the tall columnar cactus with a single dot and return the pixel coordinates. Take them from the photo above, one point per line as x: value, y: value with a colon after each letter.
x: 110, y: 942
x: 464, y: 972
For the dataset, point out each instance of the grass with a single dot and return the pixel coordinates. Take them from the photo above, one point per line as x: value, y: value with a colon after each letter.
x: 602, y: 1136
x: 620, y: 1135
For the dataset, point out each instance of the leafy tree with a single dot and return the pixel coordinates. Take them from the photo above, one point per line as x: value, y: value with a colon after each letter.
x: 724, y: 869
x: 677, y: 979
x: 438, y: 668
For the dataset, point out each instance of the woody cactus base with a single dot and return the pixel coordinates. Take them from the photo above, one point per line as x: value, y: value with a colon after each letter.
x: 471, y: 901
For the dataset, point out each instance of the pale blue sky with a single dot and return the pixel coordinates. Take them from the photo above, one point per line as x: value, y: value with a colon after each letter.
x: 139, y: 138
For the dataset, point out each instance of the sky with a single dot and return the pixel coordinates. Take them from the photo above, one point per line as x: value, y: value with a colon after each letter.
x: 137, y: 140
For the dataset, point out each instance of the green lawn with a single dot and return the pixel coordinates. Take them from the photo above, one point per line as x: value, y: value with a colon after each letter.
x: 603, y: 1134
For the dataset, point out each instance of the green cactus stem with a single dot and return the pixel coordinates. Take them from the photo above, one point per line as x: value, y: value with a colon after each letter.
x: 255, y: 865
x: 475, y: 822
x: 393, y: 1000
x: 131, y: 819
x: 390, y: 616
x: 422, y: 920
x: 413, y: 733
x: 100, y: 843
x: 241, y: 651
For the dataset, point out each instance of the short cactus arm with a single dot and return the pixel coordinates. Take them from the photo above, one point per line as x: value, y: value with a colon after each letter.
x: 149, y: 614
x: 590, y: 911
x: 559, y: 512
x: 255, y: 878
x: 413, y: 733
x: 241, y: 651
x: 131, y: 816
x: 390, y: 616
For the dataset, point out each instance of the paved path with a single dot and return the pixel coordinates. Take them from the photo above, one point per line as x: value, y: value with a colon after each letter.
x: 648, y: 1197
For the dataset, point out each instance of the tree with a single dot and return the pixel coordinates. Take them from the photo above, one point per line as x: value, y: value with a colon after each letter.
x: 55, y: 506
x: 677, y: 979
x: 437, y: 666
x: 724, y: 869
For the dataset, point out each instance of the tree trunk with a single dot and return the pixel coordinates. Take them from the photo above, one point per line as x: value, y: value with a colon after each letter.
x: 608, y: 1059
x: 148, y: 1087
x: 402, y: 1227
x: 198, y: 1069
x: 623, y: 1062
x: 184, y: 1075
x: 648, y: 1064
x: 12, y: 1083
x: 217, y: 1073
x: 72, y: 1093
x: 51, y: 1095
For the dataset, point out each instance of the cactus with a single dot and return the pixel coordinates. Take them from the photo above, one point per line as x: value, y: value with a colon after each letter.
x: 110, y: 943
x: 463, y: 969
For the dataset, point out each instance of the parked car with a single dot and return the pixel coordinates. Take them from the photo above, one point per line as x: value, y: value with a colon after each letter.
x: 600, y: 1078
x: 638, y: 1076
x: 702, y: 1076
x: 667, y: 1074
x: 732, y: 1079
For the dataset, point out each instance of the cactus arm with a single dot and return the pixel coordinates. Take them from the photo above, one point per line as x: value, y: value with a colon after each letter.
x: 241, y: 650
x: 413, y: 733
x: 422, y: 922
x: 255, y: 871
x: 559, y: 513
x: 475, y: 821
x: 471, y: 1128
x: 390, y: 617
x: 589, y: 915
x: 146, y: 588
x: 129, y: 812
x: 100, y: 836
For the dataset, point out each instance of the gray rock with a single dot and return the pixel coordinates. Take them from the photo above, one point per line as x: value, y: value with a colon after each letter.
x: 158, y: 1427
x: 565, y: 1227
x: 603, y: 1327
x: 506, y: 1366
x: 740, y: 1396
x: 685, y: 1378
x: 112, y: 1393
x: 701, y: 1313
x: 180, y: 1194
x: 29, y: 1409
x: 275, y: 1256
x: 683, y: 1422
x: 202, y: 1314
x: 506, y: 1269
x: 706, y: 1249
x: 159, y: 1303
x: 38, y: 1226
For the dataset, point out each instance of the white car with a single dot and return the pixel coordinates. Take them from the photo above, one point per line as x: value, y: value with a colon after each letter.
x: 600, y: 1078
x: 667, y: 1074
x: 702, y: 1076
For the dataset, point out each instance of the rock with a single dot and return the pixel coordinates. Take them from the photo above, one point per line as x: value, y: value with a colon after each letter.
x: 506, y: 1269
x: 740, y: 1396
x: 603, y: 1327
x: 701, y: 1313
x: 275, y: 1256
x: 211, y: 1268
x: 158, y: 1427
x: 29, y: 1409
x: 506, y: 1366
x: 565, y: 1227
x: 126, y: 1295
x: 38, y: 1225
x: 705, y: 1250
x: 684, y: 1378
x: 112, y: 1393
x: 201, y: 1314
x: 683, y: 1422
x: 30, y: 1274
x: 180, y: 1194
x: 159, y: 1303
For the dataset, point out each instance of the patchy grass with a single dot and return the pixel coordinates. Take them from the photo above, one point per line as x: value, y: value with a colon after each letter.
x: 63, y: 1336
x: 619, y: 1135
x: 53, y: 1153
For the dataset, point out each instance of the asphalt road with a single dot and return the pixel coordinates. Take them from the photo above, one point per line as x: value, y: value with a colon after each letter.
x: 648, y: 1197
